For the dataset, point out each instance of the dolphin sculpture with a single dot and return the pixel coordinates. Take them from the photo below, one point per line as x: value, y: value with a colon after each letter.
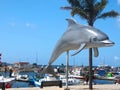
x: 79, y: 37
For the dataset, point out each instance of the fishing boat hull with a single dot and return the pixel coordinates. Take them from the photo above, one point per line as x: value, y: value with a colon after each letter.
x: 6, y: 82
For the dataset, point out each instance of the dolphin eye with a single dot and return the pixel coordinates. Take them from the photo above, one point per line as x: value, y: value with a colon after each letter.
x: 93, y: 39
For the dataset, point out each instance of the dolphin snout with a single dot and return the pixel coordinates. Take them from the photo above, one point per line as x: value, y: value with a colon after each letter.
x: 108, y: 42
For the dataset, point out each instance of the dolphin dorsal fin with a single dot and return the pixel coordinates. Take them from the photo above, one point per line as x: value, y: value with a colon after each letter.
x: 71, y: 21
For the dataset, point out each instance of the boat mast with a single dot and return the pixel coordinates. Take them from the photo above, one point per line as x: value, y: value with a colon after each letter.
x: 36, y: 58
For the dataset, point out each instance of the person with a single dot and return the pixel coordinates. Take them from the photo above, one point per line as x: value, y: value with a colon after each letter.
x: 117, y: 81
x: 86, y: 78
x: 11, y: 71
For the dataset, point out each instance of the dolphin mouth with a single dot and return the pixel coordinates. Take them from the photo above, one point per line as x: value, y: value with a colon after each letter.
x: 108, y: 42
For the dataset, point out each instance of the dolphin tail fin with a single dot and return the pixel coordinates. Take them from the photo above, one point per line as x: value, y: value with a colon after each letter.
x: 96, y: 52
x: 80, y: 49
x: 49, y: 69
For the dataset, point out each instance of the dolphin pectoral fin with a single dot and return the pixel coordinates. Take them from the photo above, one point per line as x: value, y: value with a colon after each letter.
x: 96, y: 52
x: 82, y: 46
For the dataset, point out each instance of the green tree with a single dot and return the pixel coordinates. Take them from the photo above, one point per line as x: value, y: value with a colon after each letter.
x: 35, y: 65
x: 90, y: 10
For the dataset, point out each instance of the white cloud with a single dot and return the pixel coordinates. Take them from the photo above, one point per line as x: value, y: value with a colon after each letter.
x: 118, y: 21
x: 30, y: 25
x: 119, y: 18
x: 116, y: 58
x: 118, y: 2
x: 22, y: 24
x: 27, y: 24
x: 12, y: 24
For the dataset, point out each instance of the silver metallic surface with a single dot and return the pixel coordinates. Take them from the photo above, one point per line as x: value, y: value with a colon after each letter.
x: 79, y: 37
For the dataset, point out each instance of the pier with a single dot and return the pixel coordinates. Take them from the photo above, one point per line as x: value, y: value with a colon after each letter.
x: 74, y: 87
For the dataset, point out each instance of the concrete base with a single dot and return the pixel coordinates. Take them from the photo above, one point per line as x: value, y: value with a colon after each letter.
x: 90, y: 89
x: 66, y: 88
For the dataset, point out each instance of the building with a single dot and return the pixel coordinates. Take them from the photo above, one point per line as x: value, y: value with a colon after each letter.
x: 21, y: 64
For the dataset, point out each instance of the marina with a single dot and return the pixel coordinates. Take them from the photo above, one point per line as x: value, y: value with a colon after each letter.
x: 73, y: 80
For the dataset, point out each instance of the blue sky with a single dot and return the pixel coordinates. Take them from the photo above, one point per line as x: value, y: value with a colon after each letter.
x: 30, y: 29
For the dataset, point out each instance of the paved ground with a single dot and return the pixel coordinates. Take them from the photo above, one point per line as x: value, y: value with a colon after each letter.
x: 75, y: 87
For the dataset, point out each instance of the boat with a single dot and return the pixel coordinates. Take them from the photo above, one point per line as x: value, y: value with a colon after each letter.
x: 47, y: 77
x: 20, y: 77
x: 6, y: 82
x: 23, y: 78
x: 78, y: 77
x: 112, y: 75
x: 71, y: 80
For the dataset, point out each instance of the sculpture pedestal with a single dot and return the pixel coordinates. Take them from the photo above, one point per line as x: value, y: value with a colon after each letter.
x: 66, y: 88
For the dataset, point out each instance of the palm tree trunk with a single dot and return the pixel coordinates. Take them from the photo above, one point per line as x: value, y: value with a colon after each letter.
x: 90, y: 68
x: 90, y: 61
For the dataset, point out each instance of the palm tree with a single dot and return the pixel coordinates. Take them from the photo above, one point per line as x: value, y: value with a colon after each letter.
x: 90, y: 10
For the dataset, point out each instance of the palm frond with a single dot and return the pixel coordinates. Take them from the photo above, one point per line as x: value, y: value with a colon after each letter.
x: 74, y: 3
x: 99, y: 7
x: 66, y: 8
x: 108, y: 14
x: 79, y: 12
